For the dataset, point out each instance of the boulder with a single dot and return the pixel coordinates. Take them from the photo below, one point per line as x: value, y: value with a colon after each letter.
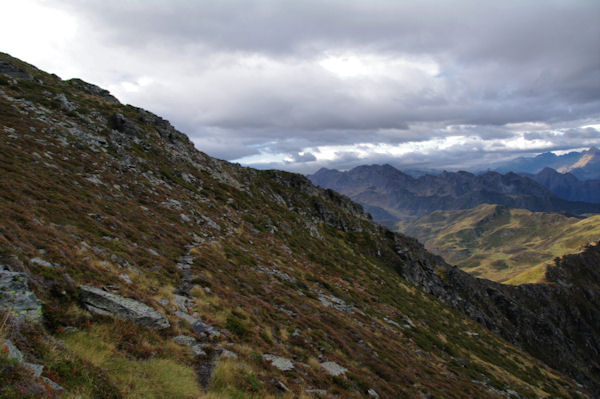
x: 202, y: 329
x: 281, y: 363
x: 13, y: 352
x: 119, y: 122
x: 191, y: 342
x: 333, y: 368
x: 106, y: 303
x: 16, y: 298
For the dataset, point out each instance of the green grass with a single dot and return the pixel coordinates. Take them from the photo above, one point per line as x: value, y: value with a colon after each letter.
x: 152, y: 378
x: 506, y: 245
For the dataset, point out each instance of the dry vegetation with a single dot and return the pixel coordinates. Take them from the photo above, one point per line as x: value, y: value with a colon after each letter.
x: 102, y: 212
x: 505, y: 245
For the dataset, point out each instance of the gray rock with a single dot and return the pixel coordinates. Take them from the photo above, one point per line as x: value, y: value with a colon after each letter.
x: 333, y: 368
x: 65, y: 104
x: 279, y: 362
x: 13, y: 71
x: 191, y: 342
x: 185, y: 340
x: 13, y: 352
x: 120, y: 123
x: 36, y: 369
x: 281, y: 386
x: 198, y: 350
x: 283, y: 276
x: 186, y: 317
x: 319, y: 392
x: 228, y: 354
x: 16, y: 298
x: 92, y: 89
x: 106, y: 303
x: 182, y: 302
x: 372, y: 394
x: 336, y: 303
x: 40, y: 262
x: 164, y: 302
x: 53, y: 385
x: 203, y: 329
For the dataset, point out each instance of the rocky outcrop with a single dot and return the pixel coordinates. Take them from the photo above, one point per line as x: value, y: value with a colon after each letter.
x: 16, y: 298
x: 557, y: 322
x: 108, y: 304
x: 92, y: 90
x: 13, y: 353
x: 13, y: 71
x: 279, y: 362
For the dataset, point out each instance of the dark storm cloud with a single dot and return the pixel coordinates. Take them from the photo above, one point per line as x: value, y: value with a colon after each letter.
x: 245, y: 78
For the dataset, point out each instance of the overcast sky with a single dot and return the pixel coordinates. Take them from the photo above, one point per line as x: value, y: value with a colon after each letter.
x: 298, y: 85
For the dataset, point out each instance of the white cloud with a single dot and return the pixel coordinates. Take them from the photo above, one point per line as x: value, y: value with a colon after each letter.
x: 301, y: 84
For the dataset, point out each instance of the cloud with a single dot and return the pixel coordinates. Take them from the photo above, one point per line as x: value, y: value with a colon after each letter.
x: 270, y: 80
x: 303, y: 157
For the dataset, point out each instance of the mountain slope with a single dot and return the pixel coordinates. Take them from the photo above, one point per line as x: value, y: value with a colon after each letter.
x: 392, y: 195
x: 262, y: 283
x: 497, y: 243
x: 567, y: 186
x: 585, y: 165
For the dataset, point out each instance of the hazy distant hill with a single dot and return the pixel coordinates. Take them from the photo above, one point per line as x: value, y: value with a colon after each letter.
x: 391, y: 195
x: 500, y: 244
x: 587, y: 166
x: 584, y: 165
x: 567, y: 186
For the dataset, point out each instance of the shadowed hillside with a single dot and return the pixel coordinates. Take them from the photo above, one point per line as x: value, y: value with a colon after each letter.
x: 134, y: 266
x: 391, y: 195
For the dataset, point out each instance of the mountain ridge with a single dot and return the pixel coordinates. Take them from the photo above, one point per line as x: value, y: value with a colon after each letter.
x: 568, y: 186
x: 270, y: 285
x: 584, y: 165
x: 399, y: 195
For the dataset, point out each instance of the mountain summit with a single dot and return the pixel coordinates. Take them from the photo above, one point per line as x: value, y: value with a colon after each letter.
x: 133, y: 265
x: 391, y: 195
x: 584, y: 165
x: 587, y: 166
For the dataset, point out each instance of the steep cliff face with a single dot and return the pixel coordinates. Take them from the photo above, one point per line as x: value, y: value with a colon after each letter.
x: 163, y: 272
x: 558, y: 322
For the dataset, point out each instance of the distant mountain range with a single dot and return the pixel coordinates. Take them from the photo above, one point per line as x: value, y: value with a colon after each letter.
x: 391, y: 195
x: 567, y: 186
x: 583, y: 165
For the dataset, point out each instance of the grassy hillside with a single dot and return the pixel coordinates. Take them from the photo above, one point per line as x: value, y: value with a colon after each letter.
x: 93, y: 192
x: 502, y: 244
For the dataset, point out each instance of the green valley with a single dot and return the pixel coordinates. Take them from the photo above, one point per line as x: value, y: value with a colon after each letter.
x: 502, y: 244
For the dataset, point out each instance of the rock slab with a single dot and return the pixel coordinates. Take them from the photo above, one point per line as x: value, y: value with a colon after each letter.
x: 16, y: 298
x: 333, y: 368
x: 281, y: 363
x: 106, y: 303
